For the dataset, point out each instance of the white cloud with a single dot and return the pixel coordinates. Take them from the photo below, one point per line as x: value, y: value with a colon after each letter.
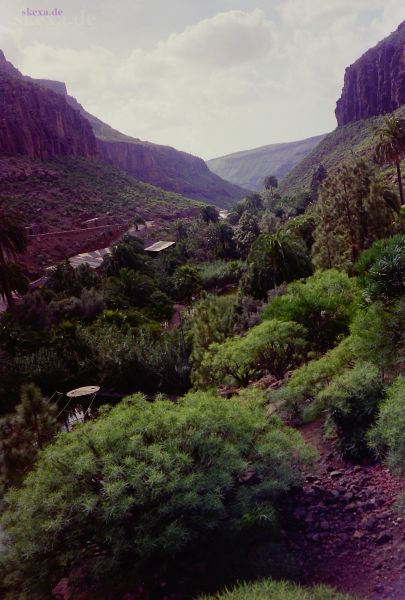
x: 224, y: 83
x: 224, y: 40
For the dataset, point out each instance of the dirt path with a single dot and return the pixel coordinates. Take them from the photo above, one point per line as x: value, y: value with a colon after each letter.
x: 345, y: 526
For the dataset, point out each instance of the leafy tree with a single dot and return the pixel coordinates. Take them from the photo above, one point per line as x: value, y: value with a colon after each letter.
x: 138, y: 220
x: 12, y: 279
x: 246, y: 232
x: 13, y: 241
x: 272, y: 347
x: 317, y: 178
x: 352, y: 400
x: 271, y: 183
x: 274, y: 259
x: 324, y: 304
x: 129, y: 254
x: 209, y: 214
x: 211, y: 322
x: 186, y: 282
x: 391, y: 147
x: 354, y: 209
x: 24, y: 433
x: 387, y: 437
x: 225, y: 244
x: 143, y: 482
x: 253, y: 203
x: 236, y: 213
x: 303, y: 227
x: 269, y: 223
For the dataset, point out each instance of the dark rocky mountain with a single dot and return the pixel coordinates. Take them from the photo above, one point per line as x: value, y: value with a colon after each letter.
x: 249, y: 168
x: 39, y: 123
x: 39, y: 119
x: 375, y: 83
x: 374, y: 86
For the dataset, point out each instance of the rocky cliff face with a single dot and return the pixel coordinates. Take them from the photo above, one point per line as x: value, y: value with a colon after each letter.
x: 375, y: 83
x: 39, y: 123
x: 38, y: 118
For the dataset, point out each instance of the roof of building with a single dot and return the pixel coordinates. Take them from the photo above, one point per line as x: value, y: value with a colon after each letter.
x: 92, y: 259
x: 159, y: 246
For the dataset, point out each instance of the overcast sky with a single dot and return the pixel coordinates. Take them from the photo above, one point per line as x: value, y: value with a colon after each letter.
x: 206, y: 76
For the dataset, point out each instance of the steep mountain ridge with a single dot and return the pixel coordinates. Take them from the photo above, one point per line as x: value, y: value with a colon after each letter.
x: 23, y: 108
x: 39, y: 123
x: 249, y: 168
x: 374, y: 86
x: 375, y: 83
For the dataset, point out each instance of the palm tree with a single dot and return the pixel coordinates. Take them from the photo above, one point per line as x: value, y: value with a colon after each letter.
x: 391, y: 147
x: 13, y: 240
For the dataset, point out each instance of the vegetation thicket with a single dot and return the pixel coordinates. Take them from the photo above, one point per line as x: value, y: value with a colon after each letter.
x: 300, y: 294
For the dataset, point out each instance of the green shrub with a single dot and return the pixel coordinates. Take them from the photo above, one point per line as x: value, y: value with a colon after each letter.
x: 272, y: 347
x: 387, y: 437
x: 324, y: 303
x: 143, y: 482
x: 378, y: 335
x: 211, y: 322
x: 221, y: 273
x: 299, y: 393
x: 277, y: 590
x: 382, y: 268
x: 352, y: 400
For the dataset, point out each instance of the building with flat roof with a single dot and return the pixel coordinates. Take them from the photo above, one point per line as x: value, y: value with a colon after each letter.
x: 158, y: 247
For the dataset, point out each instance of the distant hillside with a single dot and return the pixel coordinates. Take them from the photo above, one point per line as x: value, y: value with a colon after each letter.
x: 249, y: 168
x: 60, y: 194
x: 162, y: 166
x: 354, y: 139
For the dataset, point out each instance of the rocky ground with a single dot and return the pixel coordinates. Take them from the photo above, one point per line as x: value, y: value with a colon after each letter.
x: 346, y: 530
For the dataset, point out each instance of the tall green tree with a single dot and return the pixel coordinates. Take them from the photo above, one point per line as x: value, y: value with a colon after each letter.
x: 13, y: 241
x: 271, y: 183
x: 275, y: 259
x: 354, y: 209
x: 24, y: 433
x: 246, y: 232
x: 209, y: 214
x: 391, y: 147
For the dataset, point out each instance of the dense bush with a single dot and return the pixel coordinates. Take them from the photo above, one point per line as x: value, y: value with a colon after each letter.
x: 324, y: 303
x: 186, y: 282
x: 274, y: 259
x: 387, y: 437
x: 352, y: 400
x: 143, y: 482
x: 220, y: 273
x: 378, y: 335
x: 23, y: 434
x: 272, y: 347
x: 300, y: 393
x: 277, y: 590
x: 382, y: 268
x: 211, y: 322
